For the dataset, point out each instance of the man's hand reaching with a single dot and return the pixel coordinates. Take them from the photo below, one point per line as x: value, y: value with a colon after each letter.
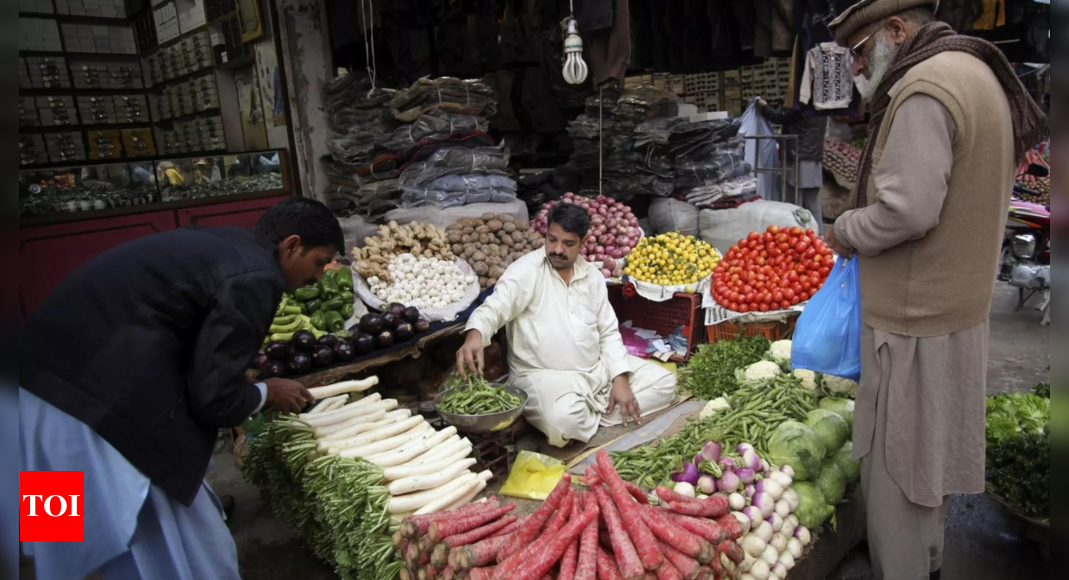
x: 472, y: 356
x: 623, y: 396
x: 836, y: 246
x: 286, y: 396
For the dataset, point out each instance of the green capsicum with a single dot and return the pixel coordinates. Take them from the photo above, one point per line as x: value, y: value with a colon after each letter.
x: 328, y: 287
x: 348, y: 311
x: 308, y: 293
x: 346, y: 296
x: 345, y: 279
x: 319, y: 320
x: 334, y: 304
x: 335, y: 322
x: 315, y: 306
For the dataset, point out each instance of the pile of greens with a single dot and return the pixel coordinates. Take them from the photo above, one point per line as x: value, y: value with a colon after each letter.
x: 478, y: 397
x: 711, y: 371
x: 336, y: 506
x: 1018, y: 451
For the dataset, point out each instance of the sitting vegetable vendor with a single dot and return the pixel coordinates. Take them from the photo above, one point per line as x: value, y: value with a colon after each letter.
x: 564, y: 339
x: 160, y: 333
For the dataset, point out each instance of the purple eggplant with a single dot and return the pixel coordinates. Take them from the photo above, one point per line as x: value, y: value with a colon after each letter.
x: 411, y: 315
x: 274, y: 369
x: 304, y: 341
x: 389, y: 321
x: 344, y: 352
x: 300, y: 363
x: 278, y: 350
x: 324, y: 356
x: 363, y: 343
x: 403, y: 332
x: 398, y: 310
x: 385, y: 339
x: 329, y: 340
x: 372, y: 324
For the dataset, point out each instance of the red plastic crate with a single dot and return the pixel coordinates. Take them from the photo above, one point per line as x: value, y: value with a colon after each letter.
x: 773, y: 331
x: 662, y: 317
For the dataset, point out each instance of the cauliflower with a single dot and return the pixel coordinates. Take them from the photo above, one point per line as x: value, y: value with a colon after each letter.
x: 762, y: 371
x: 715, y: 407
x: 781, y: 352
x: 840, y: 386
x: 808, y: 378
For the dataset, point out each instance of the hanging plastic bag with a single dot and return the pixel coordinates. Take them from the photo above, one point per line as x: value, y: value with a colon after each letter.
x: 533, y: 476
x: 828, y: 337
x: 754, y: 124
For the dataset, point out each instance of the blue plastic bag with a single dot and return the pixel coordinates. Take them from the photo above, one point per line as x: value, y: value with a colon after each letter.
x: 828, y: 337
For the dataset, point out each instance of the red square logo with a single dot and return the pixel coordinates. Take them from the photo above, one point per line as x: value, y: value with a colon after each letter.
x: 52, y: 506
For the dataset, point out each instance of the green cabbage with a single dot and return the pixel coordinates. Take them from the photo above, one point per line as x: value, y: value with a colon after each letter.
x: 844, y: 407
x: 794, y: 444
x: 845, y: 460
x: 830, y: 427
x: 813, y: 510
x: 832, y: 482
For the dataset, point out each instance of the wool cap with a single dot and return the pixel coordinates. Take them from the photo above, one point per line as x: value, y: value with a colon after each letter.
x: 866, y: 12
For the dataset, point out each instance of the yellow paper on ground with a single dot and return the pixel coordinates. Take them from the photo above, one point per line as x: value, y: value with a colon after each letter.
x: 533, y: 476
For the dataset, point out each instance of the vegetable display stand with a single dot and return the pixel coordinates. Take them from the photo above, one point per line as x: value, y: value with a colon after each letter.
x: 664, y: 318
x: 773, y: 331
x: 492, y: 451
x: 830, y: 548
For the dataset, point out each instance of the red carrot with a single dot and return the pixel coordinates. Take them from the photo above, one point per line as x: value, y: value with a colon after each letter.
x: 507, y: 567
x: 407, y: 574
x: 707, y: 574
x: 481, y: 573
x: 417, y: 526
x: 677, y: 537
x: 708, y: 530
x: 668, y: 572
x: 448, y: 573
x: 570, y: 560
x: 714, y: 507
x: 477, y: 534
x: 732, y: 550
x: 607, y: 569
x: 626, y: 555
x: 477, y: 555
x: 688, y: 567
x: 534, y: 523
x: 444, y: 528
x: 645, y: 543
x: 668, y: 495
x: 731, y: 526
x: 637, y: 493
x: 506, y: 531
x: 587, y: 568
x: 544, y: 560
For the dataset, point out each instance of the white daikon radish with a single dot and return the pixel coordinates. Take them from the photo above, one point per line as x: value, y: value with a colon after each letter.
x: 415, y: 501
x: 379, y: 434
x: 451, y: 447
x: 332, y: 431
x: 450, y: 498
x: 467, y: 498
x: 429, y: 480
x: 328, y: 405
x: 402, y: 471
x: 375, y: 398
x: 344, y: 388
x: 419, y: 432
x: 363, y: 424
x: 357, y: 409
x: 410, y: 452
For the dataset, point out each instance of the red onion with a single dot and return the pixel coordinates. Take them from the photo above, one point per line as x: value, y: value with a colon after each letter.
x: 606, y: 272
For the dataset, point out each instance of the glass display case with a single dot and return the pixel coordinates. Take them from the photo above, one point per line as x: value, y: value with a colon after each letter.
x: 150, y: 185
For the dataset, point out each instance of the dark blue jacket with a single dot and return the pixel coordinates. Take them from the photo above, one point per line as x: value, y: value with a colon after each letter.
x: 148, y: 345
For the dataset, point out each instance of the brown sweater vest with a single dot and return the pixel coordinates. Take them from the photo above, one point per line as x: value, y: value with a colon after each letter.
x: 944, y: 282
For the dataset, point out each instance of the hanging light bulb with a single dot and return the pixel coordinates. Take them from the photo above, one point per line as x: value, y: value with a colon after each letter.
x: 575, y: 69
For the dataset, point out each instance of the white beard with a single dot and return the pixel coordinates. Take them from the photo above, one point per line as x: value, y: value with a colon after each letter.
x: 880, y: 62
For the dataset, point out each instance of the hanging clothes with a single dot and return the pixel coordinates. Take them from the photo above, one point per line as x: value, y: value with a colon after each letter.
x: 994, y: 15
x: 828, y: 80
x: 608, y: 51
x: 960, y: 14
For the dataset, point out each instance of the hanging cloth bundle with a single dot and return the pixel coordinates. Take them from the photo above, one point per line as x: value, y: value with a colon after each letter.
x: 575, y: 68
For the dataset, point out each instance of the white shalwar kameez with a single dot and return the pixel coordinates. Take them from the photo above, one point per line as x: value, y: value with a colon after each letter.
x: 565, y: 349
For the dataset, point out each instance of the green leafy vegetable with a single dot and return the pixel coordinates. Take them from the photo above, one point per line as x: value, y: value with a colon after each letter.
x: 1018, y: 470
x: 830, y: 427
x: 1011, y: 415
x: 845, y: 460
x: 832, y: 482
x: 813, y: 510
x: 711, y: 371
x: 797, y: 445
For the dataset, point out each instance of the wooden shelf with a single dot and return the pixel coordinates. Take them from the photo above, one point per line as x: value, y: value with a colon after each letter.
x: 214, y: 112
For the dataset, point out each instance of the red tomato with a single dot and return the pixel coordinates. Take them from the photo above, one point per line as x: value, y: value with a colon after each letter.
x: 806, y: 286
x: 747, y: 289
x: 778, y: 296
x: 734, y: 249
x: 773, y: 229
x: 796, y: 301
x: 793, y: 276
x: 785, y: 305
x: 743, y: 308
x: 765, y: 308
x: 768, y: 238
x: 828, y: 262
x: 753, y: 237
x: 784, y: 246
x: 788, y: 294
x: 802, y: 247
x: 824, y: 272
x: 796, y: 231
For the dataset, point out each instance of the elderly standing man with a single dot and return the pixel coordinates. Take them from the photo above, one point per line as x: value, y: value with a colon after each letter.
x: 565, y: 348
x: 950, y: 120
